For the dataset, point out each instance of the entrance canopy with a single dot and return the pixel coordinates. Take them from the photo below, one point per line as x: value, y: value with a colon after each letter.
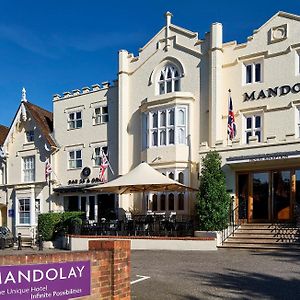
x: 140, y: 179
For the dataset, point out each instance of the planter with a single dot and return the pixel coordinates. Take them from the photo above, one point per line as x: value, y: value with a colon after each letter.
x: 212, y: 234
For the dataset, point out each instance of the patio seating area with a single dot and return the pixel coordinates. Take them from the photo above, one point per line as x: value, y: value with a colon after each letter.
x: 150, y: 224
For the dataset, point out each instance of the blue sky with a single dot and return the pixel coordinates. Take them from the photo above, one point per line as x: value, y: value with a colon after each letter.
x: 53, y: 46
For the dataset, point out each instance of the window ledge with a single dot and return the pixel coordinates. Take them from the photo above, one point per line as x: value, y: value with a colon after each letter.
x: 97, y: 124
x: 70, y: 129
x: 174, y: 98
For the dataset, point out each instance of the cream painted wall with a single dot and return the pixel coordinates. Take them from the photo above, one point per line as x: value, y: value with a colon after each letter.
x: 89, y: 136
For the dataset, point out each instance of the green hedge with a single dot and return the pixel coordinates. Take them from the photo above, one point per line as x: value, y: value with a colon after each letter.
x: 52, y: 224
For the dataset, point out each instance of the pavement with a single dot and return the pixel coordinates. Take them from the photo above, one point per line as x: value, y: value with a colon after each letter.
x: 222, y: 274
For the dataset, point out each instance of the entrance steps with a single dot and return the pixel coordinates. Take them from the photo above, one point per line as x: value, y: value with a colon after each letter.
x: 264, y: 236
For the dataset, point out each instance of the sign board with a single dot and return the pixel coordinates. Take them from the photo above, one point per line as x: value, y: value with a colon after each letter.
x: 11, y: 213
x: 59, y: 281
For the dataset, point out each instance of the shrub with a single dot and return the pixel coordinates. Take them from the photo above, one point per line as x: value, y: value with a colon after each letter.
x: 47, y: 224
x: 213, y: 202
x: 52, y: 224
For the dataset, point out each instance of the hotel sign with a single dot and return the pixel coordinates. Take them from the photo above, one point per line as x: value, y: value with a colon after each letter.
x: 272, y: 92
x: 263, y: 157
x: 45, y: 281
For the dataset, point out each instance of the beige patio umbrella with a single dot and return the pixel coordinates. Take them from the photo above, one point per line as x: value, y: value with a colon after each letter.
x: 141, y: 179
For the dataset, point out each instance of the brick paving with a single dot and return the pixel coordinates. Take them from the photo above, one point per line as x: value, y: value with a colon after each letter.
x: 222, y: 274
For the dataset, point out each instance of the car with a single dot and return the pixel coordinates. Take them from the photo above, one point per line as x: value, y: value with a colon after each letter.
x: 6, y: 237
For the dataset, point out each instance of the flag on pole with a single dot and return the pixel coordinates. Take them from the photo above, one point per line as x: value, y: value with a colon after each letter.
x: 231, y: 127
x: 103, y: 166
x: 2, y: 153
x: 48, y: 169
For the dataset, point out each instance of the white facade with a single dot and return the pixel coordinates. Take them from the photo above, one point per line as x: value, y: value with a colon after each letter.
x: 169, y: 107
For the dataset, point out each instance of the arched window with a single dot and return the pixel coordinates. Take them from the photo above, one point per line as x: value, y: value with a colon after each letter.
x: 171, y: 175
x: 169, y: 80
x: 154, y: 202
x: 181, y: 177
x: 181, y: 201
x: 171, y: 202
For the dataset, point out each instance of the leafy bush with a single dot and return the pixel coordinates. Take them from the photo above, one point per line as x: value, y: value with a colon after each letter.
x: 213, y: 202
x: 52, y: 224
x: 47, y: 224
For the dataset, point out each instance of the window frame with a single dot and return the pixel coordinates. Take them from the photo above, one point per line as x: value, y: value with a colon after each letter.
x: 297, y: 122
x: 27, y: 212
x: 168, y: 133
x: 252, y: 66
x: 253, y: 129
x: 28, y: 168
x: 164, y: 83
x: 29, y: 136
x: 297, y: 63
x: 101, y: 117
x: 76, y: 121
x: 97, y: 156
x: 179, y: 174
x: 75, y: 159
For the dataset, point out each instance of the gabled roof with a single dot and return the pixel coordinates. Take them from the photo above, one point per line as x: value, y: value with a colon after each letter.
x: 43, y: 119
x: 3, y: 133
x: 280, y: 14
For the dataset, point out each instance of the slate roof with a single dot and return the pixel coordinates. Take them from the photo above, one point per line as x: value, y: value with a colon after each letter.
x: 3, y: 133
x: 44, y: 121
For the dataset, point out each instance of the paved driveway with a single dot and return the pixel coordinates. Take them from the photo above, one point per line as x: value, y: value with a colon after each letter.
x: 222, y: 274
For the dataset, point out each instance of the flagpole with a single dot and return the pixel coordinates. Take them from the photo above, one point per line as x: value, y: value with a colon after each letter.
x: 229, y: 91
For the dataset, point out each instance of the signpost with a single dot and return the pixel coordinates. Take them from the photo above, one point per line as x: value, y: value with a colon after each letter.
x: 60, y: 281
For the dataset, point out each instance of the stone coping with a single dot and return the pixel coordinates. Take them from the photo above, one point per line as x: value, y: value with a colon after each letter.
x: 143, y: 237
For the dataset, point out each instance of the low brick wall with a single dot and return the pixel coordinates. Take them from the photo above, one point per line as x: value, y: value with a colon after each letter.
x: 110, y: 266
x: 208, y: 243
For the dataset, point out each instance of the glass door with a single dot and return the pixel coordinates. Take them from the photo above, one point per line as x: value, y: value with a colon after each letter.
x: 243, y: 193
x: 260, y: 195
x: 281, y: 195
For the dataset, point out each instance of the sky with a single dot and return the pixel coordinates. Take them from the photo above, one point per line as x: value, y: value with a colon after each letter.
x: 53, y: 46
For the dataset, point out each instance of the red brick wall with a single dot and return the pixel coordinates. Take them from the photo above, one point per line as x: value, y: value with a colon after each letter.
x: 110, y: 267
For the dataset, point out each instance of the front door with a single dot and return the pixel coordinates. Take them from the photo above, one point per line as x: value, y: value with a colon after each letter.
x: 265, y: 196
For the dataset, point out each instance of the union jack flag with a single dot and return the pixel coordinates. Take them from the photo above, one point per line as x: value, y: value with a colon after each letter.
x: 231, y: 127
x: 48, y: 169
x: 103, y: 166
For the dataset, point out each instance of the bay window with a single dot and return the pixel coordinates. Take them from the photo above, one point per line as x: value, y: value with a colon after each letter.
x: 166, y: 126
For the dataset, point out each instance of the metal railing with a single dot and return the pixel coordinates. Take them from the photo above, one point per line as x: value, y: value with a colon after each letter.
x: 234, y: 222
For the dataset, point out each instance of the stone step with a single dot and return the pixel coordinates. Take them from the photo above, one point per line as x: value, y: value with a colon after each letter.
x: 261, y: 246
x: 266, y: 234
x: 256, y: 240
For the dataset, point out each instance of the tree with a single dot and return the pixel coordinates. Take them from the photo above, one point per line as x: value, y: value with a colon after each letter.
x: 213, y: 202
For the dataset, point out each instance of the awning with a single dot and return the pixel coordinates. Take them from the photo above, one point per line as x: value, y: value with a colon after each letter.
x: 141, y: 179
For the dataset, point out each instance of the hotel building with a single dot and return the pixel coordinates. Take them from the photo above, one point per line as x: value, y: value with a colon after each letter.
x: 169, y: 107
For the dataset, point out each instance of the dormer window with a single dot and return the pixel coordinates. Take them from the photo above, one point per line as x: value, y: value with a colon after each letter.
x: 169, y: 80
x: 29, y: 136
